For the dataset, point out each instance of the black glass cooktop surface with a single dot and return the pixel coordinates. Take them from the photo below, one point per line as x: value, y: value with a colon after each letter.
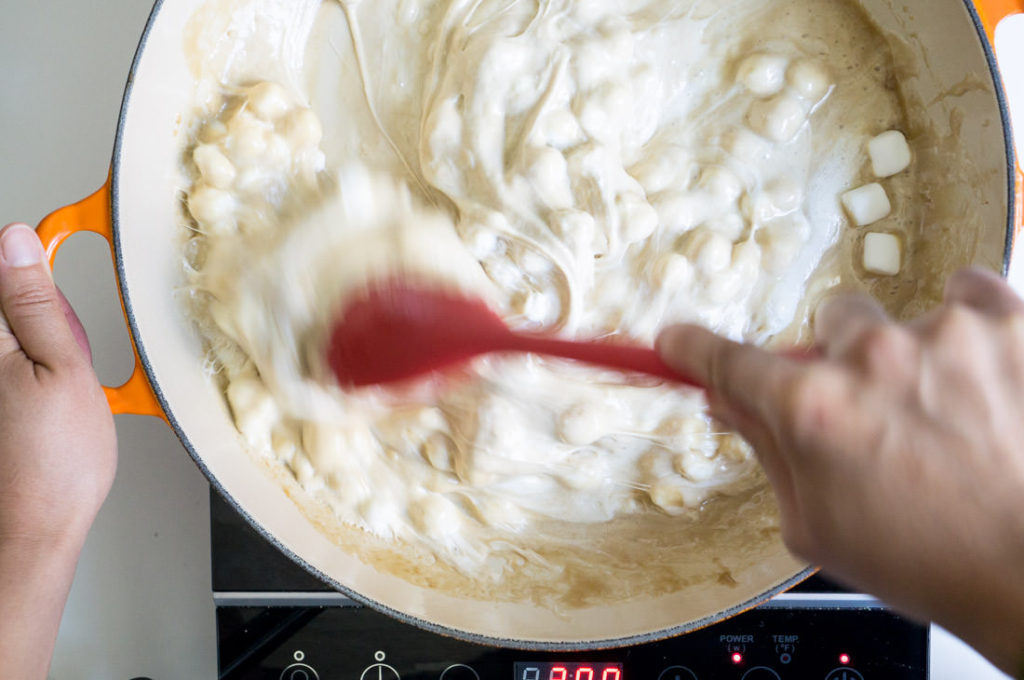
x: 276, y: 621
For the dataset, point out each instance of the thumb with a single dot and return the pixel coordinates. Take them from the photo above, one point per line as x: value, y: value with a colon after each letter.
x: 35, y: 322
x: 984, y: 291
x: 742, y: 376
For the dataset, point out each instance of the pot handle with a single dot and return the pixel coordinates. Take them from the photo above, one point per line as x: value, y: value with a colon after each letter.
x: 93, y: 214
x: 994, y: 11
x: 991, y: 12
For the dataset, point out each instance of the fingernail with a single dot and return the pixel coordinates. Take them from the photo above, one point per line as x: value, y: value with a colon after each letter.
x: 20, y: 246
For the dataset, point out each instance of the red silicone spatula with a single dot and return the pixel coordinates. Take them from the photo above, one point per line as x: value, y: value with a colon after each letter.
x: 397, y: 330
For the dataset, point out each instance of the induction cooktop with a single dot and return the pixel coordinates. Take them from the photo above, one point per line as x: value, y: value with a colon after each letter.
x: 275, y: 621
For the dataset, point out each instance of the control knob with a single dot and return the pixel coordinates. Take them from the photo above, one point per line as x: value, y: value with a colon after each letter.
x: 844, y: 674
x: 299, y: 671
x: 677, y: 673
x: 380, y: 670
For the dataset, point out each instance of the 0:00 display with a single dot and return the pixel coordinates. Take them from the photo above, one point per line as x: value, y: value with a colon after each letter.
x: 568, y: 671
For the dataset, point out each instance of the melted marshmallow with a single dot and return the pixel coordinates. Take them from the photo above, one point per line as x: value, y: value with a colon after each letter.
x: 592, y: 169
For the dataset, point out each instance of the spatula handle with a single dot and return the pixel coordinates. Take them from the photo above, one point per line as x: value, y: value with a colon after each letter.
x: 620, y: 357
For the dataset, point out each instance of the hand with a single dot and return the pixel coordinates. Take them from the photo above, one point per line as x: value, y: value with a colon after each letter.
x: 58, y: 450
x: 897, y: 457
x: 57, y: 453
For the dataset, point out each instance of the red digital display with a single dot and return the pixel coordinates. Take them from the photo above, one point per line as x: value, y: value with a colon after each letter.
x: 556, y: 670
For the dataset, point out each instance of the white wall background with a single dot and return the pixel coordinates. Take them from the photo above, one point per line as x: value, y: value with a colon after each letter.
x: 141, y: 602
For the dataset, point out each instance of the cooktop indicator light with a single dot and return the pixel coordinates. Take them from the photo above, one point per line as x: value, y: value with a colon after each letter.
x: 844, y: 659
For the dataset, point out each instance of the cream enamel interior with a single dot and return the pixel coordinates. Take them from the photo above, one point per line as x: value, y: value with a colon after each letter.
x: 950, y: 81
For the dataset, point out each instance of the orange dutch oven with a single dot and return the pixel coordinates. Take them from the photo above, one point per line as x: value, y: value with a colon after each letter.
x: 137, y: 210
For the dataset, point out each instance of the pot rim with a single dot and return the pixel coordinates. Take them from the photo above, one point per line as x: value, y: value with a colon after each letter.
x: 529, y: 645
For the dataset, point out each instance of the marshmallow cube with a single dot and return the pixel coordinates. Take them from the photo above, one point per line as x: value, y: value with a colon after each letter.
x: 867, y: 204
x: 763, y: 74
x: 779, y: 119
x: 890, y: 153
x: 882, y: 254
x: 808, y: 80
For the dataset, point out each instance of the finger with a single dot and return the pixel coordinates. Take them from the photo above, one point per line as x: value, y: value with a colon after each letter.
x: 743, y: 383
x: 77, y: 330
x: 841, y: 320
x: 36, y: 323
x: 984, y: 291
x: 742, y: 377
x: 761, y: 437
